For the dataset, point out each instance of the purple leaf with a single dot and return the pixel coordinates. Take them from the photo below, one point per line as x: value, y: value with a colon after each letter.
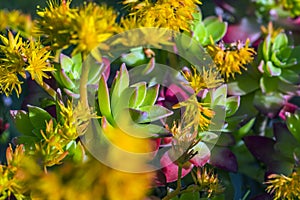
x: 223, y: 158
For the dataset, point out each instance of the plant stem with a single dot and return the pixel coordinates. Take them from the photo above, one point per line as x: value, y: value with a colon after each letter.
x: 178, y: 188
x: 83, y: 85
x: 48, y: 89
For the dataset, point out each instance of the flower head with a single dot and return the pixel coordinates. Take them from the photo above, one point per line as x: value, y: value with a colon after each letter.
x: 196, y: 115
x: 37, y: 58
x: 175, y: 15
x: 93, y: 24
x: 208, y: 182
x: 55, y: 23
x: 230, y: 59
x: 270, y: 30
x: 207, y: 79
x: 284, y: 187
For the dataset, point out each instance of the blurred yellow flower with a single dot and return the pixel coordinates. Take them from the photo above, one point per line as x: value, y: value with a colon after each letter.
x: 11, y: 183
x: 93, y: 24
x: 230, y: 59
x: 172, y: 14
x: 17, y: 21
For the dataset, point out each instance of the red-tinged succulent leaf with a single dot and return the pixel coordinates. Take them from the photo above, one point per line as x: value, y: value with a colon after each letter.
x: 203, y: 155
x: 223, y: 158
x: 261, y: 147
x: 170, y: 169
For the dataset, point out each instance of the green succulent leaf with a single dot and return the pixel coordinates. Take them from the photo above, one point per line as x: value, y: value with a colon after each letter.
x: 38, y: 118
x: 280, y: 41
x: 294, y: 125
x: 155, y: 112
x: 269, y: 84
x: 271, y: 70
x: 121, y: 82
x: 215, y: 28
x: 66, y: 62
x: 266, y: 48
x: 232, y: 105
x: 139, y: 95
x: 22, y: 122
x: 190, y: 196
x: 104, y: 99
x: 290, y: 76
x: 151, y: 96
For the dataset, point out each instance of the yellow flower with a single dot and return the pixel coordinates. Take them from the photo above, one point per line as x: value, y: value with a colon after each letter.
x: 229, y: 60
x: 11, y: 64
x: 16, y: 21
x: 9, y: 82
x: 196, y: 115
x: 206, y: 79
x: 93, y: 24
x: 11, y: 183
x: 207, y: 181
x: 175, y: 15
x: 55, y: 23
x: 270, y: 30
x: 284, y: 187
x: 38, y: 61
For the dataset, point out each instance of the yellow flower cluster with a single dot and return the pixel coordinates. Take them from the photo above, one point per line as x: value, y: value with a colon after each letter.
x: 10, y: 180
x: 206, y: 79
x: 230, y: 59
x: 172, y: 14
x: 84, y: 27
x: 196, y: 115
x: 17, y: 57
x: 284, y: 187
x: 17, y: 21
x: 208, y: 182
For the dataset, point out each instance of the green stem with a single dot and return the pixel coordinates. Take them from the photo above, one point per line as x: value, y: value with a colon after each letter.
x: 48, y: 89
x: 178, y: 188
x: 83, y: 85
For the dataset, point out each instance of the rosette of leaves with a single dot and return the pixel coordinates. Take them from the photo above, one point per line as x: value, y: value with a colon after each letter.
x: 137, y: 98
x: 203, y: 30
x: 266, y: 88
x: 68, y: 72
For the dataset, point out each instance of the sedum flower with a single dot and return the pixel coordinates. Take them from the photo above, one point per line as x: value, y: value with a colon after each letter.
x: 55, y: 23
x: 74, y: 120
x: 93, y: 24
x: 17, y: 58
x: 11, y: 183
x: 196, y: 115
x: 229, y: 59
x: 17, y: 21
x: 50, y: 149
x: 206, y: 79
x: 284, y: 187
x: 37, y: 58
x: 175, y: 15
x: 208, y: 182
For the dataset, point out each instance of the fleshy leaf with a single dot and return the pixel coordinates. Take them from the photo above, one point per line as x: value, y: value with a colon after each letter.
x: 268, y: 84
x: 121, y: 82
x: 294, y: 125
x: 104, y: 99
x: 22, y: 122
x: 38, y: 117
x: 155, y: 112
x: 139, y: 94
x: 151, y: 96
x: 223, y: 158
x: 280, y: 41
x: 232, y: 105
